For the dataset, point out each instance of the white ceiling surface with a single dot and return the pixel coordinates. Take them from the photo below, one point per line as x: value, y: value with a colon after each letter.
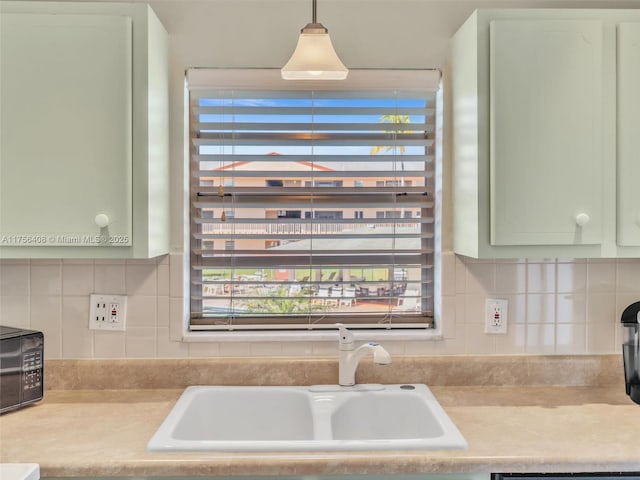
x: 365, y: 33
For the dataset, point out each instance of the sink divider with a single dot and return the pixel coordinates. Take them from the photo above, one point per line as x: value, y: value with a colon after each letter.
x: 322, y: 408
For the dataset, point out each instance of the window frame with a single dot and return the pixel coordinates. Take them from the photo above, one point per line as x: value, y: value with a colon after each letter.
x: 326, y: 331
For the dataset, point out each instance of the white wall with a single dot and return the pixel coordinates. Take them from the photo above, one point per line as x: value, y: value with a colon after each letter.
x: 562, y: 306
x: 557, y: 306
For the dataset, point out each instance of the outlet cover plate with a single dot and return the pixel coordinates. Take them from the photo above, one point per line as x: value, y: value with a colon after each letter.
x: 495, y: 316
x: 107, y: 312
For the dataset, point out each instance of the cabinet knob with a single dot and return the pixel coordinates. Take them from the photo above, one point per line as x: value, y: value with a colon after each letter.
x: 582, y: 219
x: 101, y: 220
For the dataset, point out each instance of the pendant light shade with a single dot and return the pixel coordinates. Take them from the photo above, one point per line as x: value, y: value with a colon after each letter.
x: 314, y: 57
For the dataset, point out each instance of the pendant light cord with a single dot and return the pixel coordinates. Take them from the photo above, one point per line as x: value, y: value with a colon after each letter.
x: 314, y: 10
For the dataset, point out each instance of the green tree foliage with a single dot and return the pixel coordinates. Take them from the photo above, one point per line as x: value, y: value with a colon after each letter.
x: 392, y: 119
x: 280, y: 303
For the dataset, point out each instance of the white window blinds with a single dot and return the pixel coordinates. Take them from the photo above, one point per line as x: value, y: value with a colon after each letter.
x: 312, y: 205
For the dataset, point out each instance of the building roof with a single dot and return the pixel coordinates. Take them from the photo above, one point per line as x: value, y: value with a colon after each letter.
x: 275, y: 165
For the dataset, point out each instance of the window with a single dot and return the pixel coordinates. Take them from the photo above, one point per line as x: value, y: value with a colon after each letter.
x: 328, y: 214
x: 393, y: 183
x: 323, y: 199
x: 389, y: 214
x: 324, y: 183
x: 289, y: 213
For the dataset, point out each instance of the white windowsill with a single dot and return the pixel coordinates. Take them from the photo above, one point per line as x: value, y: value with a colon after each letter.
x: 312, y: 336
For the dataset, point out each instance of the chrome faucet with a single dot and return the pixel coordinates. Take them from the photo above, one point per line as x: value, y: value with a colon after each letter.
x: 350, y: 356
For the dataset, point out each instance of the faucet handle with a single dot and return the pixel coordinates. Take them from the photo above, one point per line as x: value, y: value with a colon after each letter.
x: 345, y: 337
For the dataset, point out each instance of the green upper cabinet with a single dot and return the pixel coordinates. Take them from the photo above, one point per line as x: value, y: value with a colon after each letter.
x: 538, y: 131
x: 545, y: 148
x: 84, y: 127
x: 628, y: 133
x: 66, y: 126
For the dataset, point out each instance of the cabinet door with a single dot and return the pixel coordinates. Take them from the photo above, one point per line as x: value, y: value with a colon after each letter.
x: 628, y: 108
x: 546, y: 153
x: 65, y: 129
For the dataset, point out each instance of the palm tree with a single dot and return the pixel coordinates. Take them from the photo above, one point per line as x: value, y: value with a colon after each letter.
x: 392, y: 119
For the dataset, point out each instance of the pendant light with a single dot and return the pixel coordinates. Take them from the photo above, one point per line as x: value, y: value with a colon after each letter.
x: 314, y: 57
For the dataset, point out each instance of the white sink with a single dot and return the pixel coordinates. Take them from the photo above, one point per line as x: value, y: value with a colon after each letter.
x: 321, y: 417
x: 234, y: 414
x: 391, y: 415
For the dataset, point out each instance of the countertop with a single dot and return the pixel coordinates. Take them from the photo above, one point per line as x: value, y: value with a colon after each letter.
x: 508, y: 428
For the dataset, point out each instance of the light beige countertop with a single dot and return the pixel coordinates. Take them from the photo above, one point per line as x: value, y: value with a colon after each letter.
x: 509, y: 429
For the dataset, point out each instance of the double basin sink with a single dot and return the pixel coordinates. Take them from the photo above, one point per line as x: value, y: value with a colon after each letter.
x: 316, y: 418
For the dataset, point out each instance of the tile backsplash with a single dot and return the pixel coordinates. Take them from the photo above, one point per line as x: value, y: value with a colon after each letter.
x: 556, y: 306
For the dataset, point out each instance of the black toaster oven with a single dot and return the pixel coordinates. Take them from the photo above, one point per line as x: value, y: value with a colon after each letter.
x: 21, y: 367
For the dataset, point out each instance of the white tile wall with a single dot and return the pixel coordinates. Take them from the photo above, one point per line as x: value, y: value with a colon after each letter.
x: 556, y: 306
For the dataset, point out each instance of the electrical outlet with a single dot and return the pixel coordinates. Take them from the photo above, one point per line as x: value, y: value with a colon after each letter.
x: 107, y: 312
x: 495, y: 316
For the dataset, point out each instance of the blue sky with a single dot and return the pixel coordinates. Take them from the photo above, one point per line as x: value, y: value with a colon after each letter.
x: 304, y: 103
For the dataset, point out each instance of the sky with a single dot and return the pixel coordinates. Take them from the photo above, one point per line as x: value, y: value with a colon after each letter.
x: 374, y: 163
